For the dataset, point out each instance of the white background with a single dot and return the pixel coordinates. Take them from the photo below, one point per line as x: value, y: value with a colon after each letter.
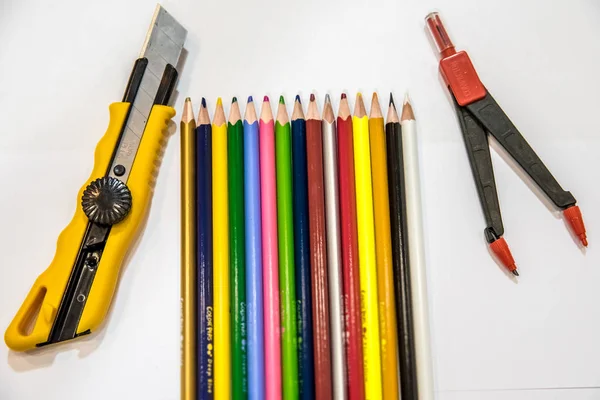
x: 493, y: 338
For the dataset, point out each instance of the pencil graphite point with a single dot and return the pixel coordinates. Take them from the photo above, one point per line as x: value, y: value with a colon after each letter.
x: 392, y: 100
x: 515, y: 273
x: 250, y: 99
x: 234, y: 100
x: 187, y: 99
x: 281, y: 100
x: 203, y: 102
x: 297, y: 99
x: 327, y: 99
x: 343, y: 96
x: 406, y: 98
x: 219, y: 102
x: 312, y: 97
x: 266, y: 98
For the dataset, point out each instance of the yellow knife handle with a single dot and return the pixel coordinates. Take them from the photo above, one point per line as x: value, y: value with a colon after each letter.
x: 32, y: 324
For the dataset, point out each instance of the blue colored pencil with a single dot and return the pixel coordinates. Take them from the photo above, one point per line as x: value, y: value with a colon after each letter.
x: 302, y: 256
x: 254, y: 274
x: 205, y: 388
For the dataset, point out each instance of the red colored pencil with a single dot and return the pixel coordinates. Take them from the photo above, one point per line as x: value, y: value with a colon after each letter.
x: 352, y: 317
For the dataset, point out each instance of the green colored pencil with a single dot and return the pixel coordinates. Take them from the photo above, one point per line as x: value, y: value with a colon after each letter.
x: 285, y: 234
x: 235, y: 153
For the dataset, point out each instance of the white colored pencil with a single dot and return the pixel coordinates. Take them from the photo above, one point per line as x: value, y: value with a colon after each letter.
x: 416, y: 251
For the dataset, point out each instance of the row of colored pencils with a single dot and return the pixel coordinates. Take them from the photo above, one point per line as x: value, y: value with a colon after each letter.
x: 303, y: 272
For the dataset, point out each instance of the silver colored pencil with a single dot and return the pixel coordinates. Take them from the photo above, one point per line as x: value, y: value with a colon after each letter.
x: 334, y: 251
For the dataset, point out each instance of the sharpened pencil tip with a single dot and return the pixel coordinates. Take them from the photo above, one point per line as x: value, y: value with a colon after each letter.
x: 327, y: 99
x: 515, y: 273
x: 358, y: 95
x: 266, y: 98
x: 250, y: 100
x: 392, y: 100
x: 188, y: 113
x: 343, y: 96
x: 297, y: 99
x: 406, y: 98
x: 219, y: 101
x: 203, y: 102
x: 234, y: 100
x: 281, y: 100
x: 312, y: 97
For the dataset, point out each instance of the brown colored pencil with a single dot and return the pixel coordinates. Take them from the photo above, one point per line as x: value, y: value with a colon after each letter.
x: 318, y: 250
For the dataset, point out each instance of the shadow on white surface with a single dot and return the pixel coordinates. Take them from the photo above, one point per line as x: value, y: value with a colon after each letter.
x: 44, y: 356
x: 180, y: 68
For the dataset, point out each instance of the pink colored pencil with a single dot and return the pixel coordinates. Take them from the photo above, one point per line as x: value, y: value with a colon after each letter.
x: 268, y: 195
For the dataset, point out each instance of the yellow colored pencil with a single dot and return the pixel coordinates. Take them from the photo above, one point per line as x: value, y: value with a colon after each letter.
x: 222, y: 333
x: 383, y: 247
x: 366, y: 252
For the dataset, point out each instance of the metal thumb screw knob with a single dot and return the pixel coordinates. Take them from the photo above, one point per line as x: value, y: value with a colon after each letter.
x: 106, y: 201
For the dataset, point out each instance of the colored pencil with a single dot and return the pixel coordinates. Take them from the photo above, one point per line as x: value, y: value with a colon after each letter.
x: 235, y: 153
x: 366, y: 251
x: 306, y: 382
x: 383, y: 249
x: 406, y: 344
x: 350, y: 261
x: 254, y: 270
x: 270, y: 254
x: 204, y: 249
x: 221, y: 256
x: 334, y: 251
x: 318, y: 250
x: 416, y: 251
x: 188, y: 252
x: 286, y: 253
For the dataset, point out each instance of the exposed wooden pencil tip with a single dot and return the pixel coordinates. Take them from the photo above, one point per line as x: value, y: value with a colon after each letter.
x: 375, y: 107
x: 298, y: 112
x: 328, y: 110
x: 407, y: 111
x: 234, y: 113
x: 188, y: 112
x: 219, y: 117
x: 250, y: 114
x: 313, y: 110
x: 344, y: 108
x: 359, y: 108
